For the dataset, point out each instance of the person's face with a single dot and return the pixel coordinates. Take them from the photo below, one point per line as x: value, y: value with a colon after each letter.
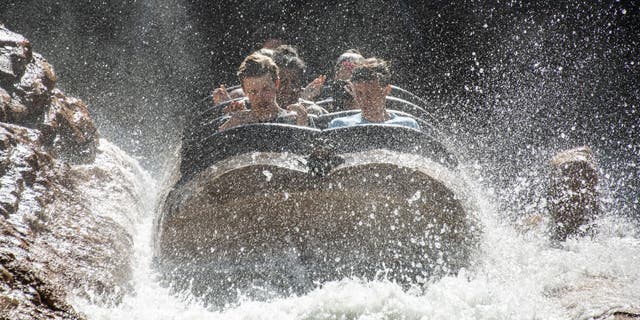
x: 344, y: 70
x: 261, y: 91
x: 290, y: 87
x: 369, y: 94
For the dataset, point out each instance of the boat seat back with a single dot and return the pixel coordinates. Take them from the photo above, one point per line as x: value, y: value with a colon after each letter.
x: 270, y: 137
x: 264, y: 137
x: 389, y: 137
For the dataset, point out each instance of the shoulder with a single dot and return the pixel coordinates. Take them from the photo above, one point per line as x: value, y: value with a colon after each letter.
x: 404, y: 121
x: 346, y: 121
x: 336, y: 123
x: 284, y: 113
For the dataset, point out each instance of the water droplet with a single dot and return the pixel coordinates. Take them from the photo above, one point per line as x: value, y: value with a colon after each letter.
x: 267, y: 174
x: 416, y: 196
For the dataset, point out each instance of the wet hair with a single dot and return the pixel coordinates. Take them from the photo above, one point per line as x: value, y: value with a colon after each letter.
x: 265, y: 52
x: 286, y: 57
x: 257, y: 65
x: 372, y: 69
x: 352, y: 55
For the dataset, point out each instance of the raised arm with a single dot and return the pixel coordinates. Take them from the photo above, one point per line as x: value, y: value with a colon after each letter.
x: 301, y: 114
x: 220, y: 95
x: 312, y: 90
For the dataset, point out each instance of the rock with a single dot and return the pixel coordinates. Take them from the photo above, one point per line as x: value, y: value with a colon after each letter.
x: 28, y: 98
x: 10, y: 109
x: 15, y: 52
x: 24, y: 168
x: 35, y: 89
x: 573, y: 197
x: 53, y: 241
x: 75, y: 137
x: 25, y: 194
x: 626, y: 314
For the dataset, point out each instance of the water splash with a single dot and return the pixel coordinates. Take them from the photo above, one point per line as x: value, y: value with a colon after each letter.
x: 516, y: 275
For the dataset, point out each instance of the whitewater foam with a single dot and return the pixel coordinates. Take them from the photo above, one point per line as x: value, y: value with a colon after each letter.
x: 515, y: 276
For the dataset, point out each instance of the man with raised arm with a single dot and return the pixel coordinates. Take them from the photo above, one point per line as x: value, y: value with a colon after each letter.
x: 370, y: 86
x: 258, y: 75
x: 292, y: 69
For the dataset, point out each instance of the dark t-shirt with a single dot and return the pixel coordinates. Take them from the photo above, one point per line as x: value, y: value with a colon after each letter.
x: 341, y: 98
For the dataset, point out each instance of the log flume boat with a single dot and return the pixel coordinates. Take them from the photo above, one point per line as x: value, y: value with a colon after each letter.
x: 264, y: 210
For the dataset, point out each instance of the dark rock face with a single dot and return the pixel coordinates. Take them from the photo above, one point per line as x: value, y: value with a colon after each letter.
x: 69, y: 129
x: 50, y: 241
x: 573, y: 195
x: 28, y: 98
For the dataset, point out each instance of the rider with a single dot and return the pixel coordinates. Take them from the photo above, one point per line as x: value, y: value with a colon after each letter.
x: 369, y: 86
x: 336, y: 88
x: 292, y: 69
x: 258, y: 75
x: 220, y: 94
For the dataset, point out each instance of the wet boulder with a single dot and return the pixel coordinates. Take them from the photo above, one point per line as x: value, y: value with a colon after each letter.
x: 27, y: 190
x: 15, y: 52
x: 69, y: 129
x: 28, y: 98
x: 54, y: 239
x: 573, y: 196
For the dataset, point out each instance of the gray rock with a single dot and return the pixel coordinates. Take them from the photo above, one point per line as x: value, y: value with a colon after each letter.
x: 15, y: 53
x: 573, y: 197
x: 51, y: 240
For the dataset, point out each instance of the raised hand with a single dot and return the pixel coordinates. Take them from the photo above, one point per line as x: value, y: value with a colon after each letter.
x: 348, y: 88
x: 220, y: 95
x: 301, y: 114
x: 233, y: 107
x: 312, y: 90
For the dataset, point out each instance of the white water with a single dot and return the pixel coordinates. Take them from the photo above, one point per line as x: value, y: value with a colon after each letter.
x: 516, y: 276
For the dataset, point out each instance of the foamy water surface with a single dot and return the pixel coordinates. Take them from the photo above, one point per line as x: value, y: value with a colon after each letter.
x: 516, y: 275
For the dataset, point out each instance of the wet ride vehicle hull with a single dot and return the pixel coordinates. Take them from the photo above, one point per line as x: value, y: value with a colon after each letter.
x: 271, y: 209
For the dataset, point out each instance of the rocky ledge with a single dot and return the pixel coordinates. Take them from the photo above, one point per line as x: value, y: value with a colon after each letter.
x: 53, y: 242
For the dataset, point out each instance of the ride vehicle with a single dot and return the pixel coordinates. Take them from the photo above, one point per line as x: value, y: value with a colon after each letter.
x: 274, y: 209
